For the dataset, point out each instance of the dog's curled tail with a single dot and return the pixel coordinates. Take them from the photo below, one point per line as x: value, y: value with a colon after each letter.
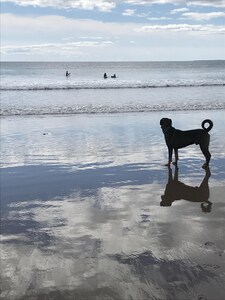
x: 210, y: 125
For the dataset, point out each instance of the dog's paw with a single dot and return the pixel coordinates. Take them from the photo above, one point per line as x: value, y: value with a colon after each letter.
x: 167, y: 165
x: 205, y: 166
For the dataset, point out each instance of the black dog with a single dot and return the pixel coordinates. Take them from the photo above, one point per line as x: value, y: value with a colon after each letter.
x: 176, y: 139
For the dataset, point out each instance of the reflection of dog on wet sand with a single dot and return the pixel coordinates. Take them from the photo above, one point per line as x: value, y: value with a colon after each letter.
x: 176, y: 139
x: 176, y: 190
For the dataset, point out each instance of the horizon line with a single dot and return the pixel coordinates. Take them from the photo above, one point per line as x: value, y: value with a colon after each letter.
x: 107, y: 61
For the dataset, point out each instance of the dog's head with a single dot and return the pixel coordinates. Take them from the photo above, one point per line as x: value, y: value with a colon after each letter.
x: 165, y: 123
x: 166, y: 201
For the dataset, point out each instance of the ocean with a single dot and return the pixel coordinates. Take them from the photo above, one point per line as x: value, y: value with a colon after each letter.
x: 41, y: 88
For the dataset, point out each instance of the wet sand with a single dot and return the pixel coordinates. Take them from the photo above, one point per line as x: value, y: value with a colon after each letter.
x: 88, y: 211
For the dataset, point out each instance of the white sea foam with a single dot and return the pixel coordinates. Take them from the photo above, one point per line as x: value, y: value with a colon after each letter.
x: 110, y: 84
x: 109, y: 109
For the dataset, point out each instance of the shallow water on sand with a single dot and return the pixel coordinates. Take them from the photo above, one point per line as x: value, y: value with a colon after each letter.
x: 89, y: 211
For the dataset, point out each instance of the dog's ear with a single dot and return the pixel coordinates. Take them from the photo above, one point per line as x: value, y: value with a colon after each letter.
x: 170, y: 122
x: 162, y: 120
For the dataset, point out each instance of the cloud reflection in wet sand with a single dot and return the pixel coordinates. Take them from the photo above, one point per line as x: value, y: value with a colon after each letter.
x: 109, y: 240
x: 81, y: 215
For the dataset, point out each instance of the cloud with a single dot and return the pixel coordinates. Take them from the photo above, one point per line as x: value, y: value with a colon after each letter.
x: 66, y: 48
x: 179, y: 10
x: 129, y: 12
x: 212, y: 3
x: 56, y: 28
x: 59, y: 27
x: 203, y: 16
x: 91, y: 37
x: 53, y: 29
x: 102, y: 5
x: 199, y: 29
x: 108, y: 5
x: 60, y: 38
x: 158, y: 18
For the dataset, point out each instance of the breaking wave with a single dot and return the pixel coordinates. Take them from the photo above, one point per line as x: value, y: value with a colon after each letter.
x: 110, y: 109
x: 103, y: 85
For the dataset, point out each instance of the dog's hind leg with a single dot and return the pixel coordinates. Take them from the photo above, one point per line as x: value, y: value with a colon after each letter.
x: 207, y: 154
x: 176, y: 156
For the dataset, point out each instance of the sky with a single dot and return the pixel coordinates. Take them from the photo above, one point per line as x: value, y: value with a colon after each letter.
x: 112, y: 30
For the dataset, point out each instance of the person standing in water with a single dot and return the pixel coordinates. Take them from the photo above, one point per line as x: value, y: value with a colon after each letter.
x: 67, y: 74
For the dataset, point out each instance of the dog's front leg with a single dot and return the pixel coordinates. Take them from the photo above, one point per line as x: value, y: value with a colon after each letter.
x: 170, y: 153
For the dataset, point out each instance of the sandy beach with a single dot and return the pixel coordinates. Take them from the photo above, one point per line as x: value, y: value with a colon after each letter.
x: 89, y: 211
